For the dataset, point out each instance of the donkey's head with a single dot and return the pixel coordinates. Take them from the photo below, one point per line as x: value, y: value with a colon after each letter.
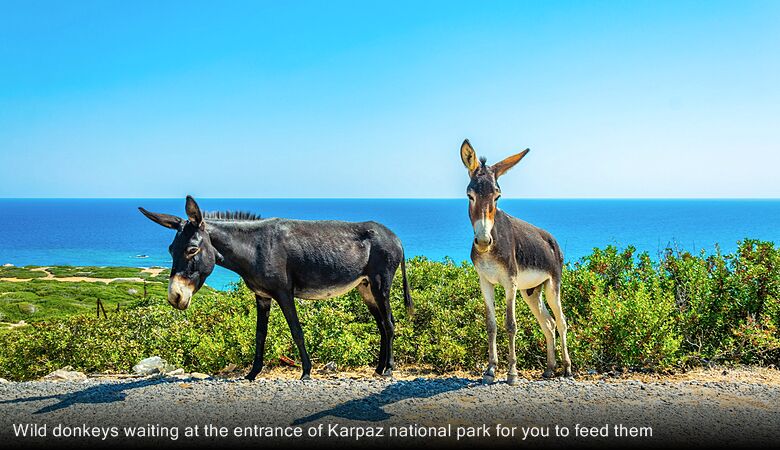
x: 483, y: 192
x: 193, y: 255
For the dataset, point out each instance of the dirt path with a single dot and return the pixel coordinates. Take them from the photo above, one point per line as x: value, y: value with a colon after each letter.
x: 153, y: 271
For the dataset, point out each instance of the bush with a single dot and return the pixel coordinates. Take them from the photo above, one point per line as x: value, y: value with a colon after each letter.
x: 623, y: 309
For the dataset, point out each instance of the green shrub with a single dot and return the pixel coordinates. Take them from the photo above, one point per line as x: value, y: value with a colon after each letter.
x: 629, y: 329
x: 623, y: 310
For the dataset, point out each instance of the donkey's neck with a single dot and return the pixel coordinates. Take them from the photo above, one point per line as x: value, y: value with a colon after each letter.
x: 235, y: 244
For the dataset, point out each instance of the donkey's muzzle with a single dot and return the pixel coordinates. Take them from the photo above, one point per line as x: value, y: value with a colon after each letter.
x: 483, y: 244
x: 482, y: 237
x: 180, y: 292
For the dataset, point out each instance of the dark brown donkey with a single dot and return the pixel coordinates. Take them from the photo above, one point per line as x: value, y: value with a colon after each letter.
x: 516, y: 255
x: 282, y: 259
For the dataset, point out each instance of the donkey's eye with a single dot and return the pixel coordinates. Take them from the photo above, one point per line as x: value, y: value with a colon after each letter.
x: 471, y: 197
x: 192, y: 251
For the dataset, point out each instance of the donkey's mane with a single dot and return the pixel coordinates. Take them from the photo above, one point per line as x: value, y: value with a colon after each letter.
x: 231, y: 215
x: 483, y: 160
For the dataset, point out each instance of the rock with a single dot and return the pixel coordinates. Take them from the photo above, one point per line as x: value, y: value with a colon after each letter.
x: 65, y: 374
x: 132, y: 291
x: 151, y: 365
x: 175, y: 372
x: 4, y: 381
x: 330, y: 367
x: 199, y: 376
x: 230, y: 368
x: 8, y: 265
x: 27, y: 308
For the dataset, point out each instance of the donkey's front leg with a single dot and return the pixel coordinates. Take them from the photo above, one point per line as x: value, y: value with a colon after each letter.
x: 511, y: 330
x: 263, y: 311
x: 489, y: 294
x: 287, y: 303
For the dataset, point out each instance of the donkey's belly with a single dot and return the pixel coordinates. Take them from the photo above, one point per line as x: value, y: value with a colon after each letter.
x: 530, y: 278
x: 495, y: 273
x: 323, y: 292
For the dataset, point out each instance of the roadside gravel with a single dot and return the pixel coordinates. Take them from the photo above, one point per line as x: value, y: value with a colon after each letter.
x: 703, y: 412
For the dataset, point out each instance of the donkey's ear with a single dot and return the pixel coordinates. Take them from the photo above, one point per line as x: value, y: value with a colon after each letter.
x: 193, y: 211
x: 468, y: 156
x: 501, y: 167
x: 166, y: 220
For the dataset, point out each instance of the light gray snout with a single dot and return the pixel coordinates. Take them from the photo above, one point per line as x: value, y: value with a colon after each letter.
x: 482, y: 238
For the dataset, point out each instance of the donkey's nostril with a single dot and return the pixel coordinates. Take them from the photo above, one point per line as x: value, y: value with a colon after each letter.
x: 175, y: 299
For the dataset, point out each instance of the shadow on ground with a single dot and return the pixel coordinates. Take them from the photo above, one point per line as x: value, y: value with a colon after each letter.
x: 101, y: 393
x: 371, y: 408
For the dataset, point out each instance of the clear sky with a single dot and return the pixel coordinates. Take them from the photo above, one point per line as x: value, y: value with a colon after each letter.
x: 372, y: 99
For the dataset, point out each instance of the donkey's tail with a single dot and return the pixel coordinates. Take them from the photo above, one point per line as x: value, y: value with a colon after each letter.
x: 407, y: 296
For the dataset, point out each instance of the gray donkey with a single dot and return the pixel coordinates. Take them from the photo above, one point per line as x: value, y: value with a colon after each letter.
x: 282, y: 259
x: 516, y: 255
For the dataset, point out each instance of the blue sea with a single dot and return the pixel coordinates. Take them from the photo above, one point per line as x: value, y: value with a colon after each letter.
x: 111, y: 232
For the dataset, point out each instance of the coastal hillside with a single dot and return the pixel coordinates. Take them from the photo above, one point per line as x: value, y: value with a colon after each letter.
x: 34, y: 294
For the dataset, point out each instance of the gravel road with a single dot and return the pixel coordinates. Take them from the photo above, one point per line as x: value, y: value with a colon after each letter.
x: 691, y: 412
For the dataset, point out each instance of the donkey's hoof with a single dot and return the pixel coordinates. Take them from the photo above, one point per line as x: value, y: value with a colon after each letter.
x: 250, y: 376
x: 388, y: 373
x: 489, y: 375
x: 305, y: 377
x: 511, y: 379
x: 549, y: 373
x: 567, y: 373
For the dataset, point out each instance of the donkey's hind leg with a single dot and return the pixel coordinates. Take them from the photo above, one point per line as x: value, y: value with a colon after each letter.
x: 552, y: 293
x: 373, y: 308
x: 533, y: 297
x: 380, y: 290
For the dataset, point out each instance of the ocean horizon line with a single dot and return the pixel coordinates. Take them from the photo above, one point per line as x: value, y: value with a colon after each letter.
x: 403, y: 198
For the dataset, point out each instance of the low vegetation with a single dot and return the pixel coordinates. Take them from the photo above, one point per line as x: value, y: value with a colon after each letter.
x: 21, y: 272
x: 625, y: 310
x: 106, y: 272
x: 46, y: 296
x: 41, y: 300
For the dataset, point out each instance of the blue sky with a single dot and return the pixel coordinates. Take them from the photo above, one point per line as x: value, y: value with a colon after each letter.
x: 372, y: 99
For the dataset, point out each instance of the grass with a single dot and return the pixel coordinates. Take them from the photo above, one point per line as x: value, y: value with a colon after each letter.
x: 39, y: 300
x: 105, y: 272
x: 20, y: 272
x: 42, y: 299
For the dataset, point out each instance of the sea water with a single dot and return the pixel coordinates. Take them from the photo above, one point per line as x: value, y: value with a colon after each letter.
x: 112, y: 232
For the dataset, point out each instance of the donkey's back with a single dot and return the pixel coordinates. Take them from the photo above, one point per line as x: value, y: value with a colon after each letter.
x: 535, y: 247
x: 326, y: 258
